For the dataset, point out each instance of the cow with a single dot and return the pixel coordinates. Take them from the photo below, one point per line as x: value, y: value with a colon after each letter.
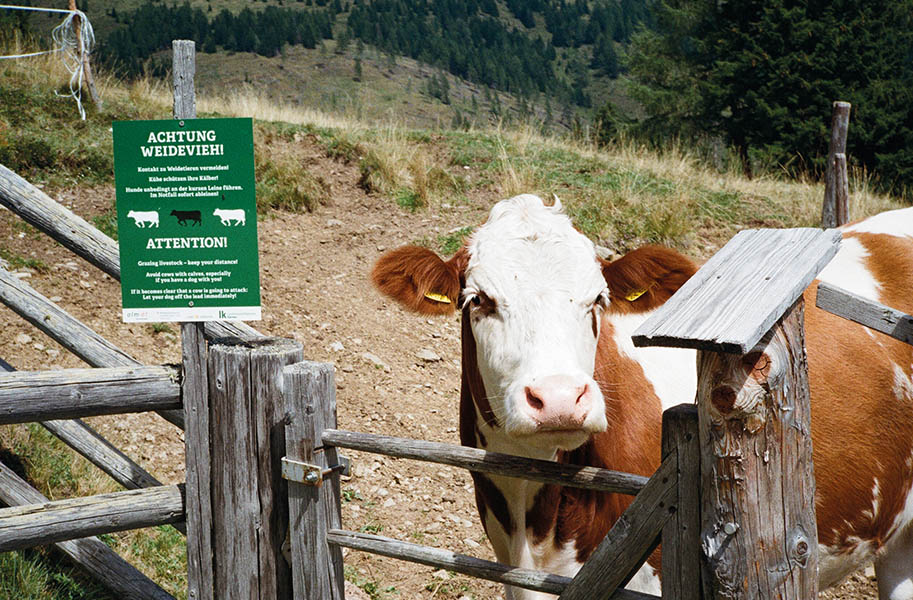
x: 549, y: 371
x: 187, y: 215
x: 142, y: 217
x: 226, y: 216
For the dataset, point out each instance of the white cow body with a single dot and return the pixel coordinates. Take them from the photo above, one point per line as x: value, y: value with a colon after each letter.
x: 141, y: 218
x: 226, y: 216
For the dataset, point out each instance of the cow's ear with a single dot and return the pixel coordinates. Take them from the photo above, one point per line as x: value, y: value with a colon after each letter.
x: 420, y: 280
x: 643, y: 279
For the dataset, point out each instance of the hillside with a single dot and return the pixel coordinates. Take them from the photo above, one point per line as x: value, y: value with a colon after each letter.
x: 454, y: 63
x: 334, y: 192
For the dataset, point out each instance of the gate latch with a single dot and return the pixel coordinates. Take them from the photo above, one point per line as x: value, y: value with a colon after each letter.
x: 308, y: 474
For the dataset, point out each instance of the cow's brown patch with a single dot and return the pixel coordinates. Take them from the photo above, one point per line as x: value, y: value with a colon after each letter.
x: 860, y: 427
x: 489, y: 497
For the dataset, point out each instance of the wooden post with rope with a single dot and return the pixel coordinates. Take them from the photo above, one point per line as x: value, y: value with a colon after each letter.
x: 85, y: 59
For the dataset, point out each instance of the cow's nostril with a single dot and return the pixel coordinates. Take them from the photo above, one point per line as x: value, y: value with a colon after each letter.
x: 533, y: 400
x: 583, y: 390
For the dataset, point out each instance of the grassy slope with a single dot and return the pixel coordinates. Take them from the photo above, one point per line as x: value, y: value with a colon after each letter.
x: 388, y: 90
x: 621, y: 197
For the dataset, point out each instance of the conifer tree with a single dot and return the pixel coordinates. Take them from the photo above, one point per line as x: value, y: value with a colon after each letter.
x: 763, y: 75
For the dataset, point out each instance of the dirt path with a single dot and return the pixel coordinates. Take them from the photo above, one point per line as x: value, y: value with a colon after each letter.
x: 315, y: 288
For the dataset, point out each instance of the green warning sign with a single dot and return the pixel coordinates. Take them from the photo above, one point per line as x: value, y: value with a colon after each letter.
x: 187, y: 220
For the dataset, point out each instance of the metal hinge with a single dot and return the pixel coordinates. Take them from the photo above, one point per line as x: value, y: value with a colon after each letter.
x: 308, y: 474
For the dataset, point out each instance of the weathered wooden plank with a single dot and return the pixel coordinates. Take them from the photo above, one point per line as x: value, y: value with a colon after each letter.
x: 758, y: 535
x: 268, y: 359
x: 474, y: 459
x: 183, y: 69
x: 92, y: 554
x: 836, y: 192
x: 28, y: 396
x: 734, y: 299
x: 681, y: 563
x: 100, y: 452
x: 68, y: 331
x: 445, y: 559
x: 246, y: 424
x: 631, y: 539
x: 198, y: 463
x: 69, y: 229
x: 897, y: 324
x: 310, y: 401
x: 460, y: 563
x: 31, y: 525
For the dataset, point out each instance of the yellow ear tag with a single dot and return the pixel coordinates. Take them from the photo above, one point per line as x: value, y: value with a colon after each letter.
x: 438, y: 297
x: 635, y: 294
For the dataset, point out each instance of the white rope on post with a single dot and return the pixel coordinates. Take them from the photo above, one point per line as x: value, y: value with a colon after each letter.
x: 74, y: 45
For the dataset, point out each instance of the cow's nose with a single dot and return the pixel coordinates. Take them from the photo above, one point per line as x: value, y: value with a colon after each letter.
x: 559, y: 402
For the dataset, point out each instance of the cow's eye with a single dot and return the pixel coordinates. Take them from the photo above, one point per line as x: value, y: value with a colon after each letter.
x: 602, y: 300
x: 480, y: 304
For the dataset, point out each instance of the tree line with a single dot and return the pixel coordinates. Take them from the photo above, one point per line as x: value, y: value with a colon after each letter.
x: 153, y: 26
x: 472, y: 39
x: 761, y: 77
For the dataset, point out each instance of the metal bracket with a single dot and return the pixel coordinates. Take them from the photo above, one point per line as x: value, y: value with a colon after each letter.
x: 308, y: 474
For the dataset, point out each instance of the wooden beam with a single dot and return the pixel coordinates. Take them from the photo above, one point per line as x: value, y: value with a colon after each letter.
x: 29, y: 396
x: 198, y: 462
x: 835, y: 210
x: 875, y: 315
x: 30, y: 525
x: 473, y: 459
x: 737, y: 296
x: 310, y: 402
x: 247, y: 427
x: 62, y: 224
x: 631, y: 540
x: 759, y: 536
x: 69, y: 332
x: 101, y: 453
x: 681, y: 564
x: 444, y: 559
x: 93, y: 555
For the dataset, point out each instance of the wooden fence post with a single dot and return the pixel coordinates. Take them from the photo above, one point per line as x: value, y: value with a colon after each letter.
x: 247, y: 428
x: 310, y: 393
x: 743, y: 312
x: 87, y: 65
x: 197, y: 443
x: 835, y: 211
x: 758, y: 483
x: 681, y: 564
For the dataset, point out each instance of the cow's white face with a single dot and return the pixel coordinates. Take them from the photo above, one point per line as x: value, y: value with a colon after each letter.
x: 534, y: 292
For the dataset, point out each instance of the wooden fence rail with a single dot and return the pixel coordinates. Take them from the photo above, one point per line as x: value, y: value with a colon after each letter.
x: 474, y: 459
x: 31, y: 525
x: 92, y: 554
x: 28, y: 396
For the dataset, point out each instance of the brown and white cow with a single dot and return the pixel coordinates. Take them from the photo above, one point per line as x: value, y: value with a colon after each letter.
x: 549, y: 371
